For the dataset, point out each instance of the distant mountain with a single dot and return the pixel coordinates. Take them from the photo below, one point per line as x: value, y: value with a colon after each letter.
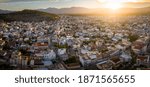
x: 5, y: 11
x: 72, y: 10
x: 28, y: 16
x: 102, y: 11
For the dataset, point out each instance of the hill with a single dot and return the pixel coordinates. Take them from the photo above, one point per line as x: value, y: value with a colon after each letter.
x: 28, y: 16
x: 99, y: 11
x: 5, y: 11
x: 72, y: 10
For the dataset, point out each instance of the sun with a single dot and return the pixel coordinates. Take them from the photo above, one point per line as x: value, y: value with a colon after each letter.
x: 119, y: 0
x: 115, y: 4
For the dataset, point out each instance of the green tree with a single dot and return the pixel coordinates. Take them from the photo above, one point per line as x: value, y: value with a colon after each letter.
x: 133, y: 37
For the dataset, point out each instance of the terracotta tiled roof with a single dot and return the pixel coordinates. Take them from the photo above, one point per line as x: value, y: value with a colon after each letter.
x: 40, y: 44
x: 142, y: 58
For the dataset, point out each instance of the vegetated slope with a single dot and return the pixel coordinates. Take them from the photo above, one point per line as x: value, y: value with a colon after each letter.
x: 28, y: 16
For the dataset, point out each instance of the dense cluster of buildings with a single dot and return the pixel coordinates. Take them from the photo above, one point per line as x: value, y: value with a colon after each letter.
x: 77, y: 42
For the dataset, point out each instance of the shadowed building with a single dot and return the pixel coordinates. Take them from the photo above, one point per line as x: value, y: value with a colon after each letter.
x: 148, y: 46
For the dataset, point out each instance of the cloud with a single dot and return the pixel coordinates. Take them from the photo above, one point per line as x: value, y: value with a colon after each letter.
x: 6, y: 1
x: 123, y: 0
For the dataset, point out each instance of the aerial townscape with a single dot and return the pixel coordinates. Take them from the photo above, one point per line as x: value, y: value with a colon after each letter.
x: 76, y: 43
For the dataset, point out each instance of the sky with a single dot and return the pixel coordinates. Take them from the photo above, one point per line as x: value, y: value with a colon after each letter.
x: 43, y: 4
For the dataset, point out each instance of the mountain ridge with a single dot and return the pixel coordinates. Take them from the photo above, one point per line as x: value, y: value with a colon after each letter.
x: 5, y: 11
x: 83, y: 10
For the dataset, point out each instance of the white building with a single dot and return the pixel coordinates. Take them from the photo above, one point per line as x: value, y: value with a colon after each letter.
x: 50, y: 55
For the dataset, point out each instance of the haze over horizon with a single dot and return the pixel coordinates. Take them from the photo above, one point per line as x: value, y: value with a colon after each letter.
x: 43, y: 4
